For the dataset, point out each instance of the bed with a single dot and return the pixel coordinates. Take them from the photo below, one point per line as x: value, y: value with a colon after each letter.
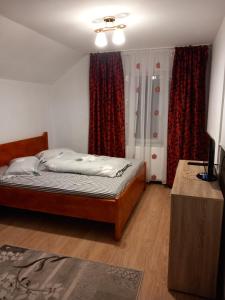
x: 115, y: 210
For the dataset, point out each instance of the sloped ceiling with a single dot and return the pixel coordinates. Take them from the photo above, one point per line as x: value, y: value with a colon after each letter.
x: 29, y: 56
x: 40, y: 39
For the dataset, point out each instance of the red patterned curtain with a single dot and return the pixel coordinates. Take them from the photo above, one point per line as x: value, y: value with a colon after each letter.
x: 107, y: 107
x: 187, y: 137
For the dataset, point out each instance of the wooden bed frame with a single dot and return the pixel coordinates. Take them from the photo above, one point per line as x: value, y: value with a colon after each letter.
x: 116, y: 211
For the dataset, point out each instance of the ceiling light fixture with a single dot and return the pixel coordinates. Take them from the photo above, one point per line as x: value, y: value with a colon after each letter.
x: 101, y: 39
x: 118, y: 37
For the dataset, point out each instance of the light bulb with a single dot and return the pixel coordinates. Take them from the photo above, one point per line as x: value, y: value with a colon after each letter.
x: 118, y: 37
x: 101, y: 40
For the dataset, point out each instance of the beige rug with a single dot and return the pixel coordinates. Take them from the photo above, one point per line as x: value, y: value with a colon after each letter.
x: 37, y: 275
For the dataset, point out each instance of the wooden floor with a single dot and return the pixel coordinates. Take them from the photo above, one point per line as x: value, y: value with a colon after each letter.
x: 144, y: 245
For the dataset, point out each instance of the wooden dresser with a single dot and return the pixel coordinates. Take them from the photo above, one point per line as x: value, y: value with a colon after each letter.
x: 195, y: 232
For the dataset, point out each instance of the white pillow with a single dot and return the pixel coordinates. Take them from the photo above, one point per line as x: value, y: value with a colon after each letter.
x: 23, y: 166
x: 46, y: 155
x: 3, y: 170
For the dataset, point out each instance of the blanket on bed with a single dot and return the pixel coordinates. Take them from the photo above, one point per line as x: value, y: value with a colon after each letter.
x: 85, y: 164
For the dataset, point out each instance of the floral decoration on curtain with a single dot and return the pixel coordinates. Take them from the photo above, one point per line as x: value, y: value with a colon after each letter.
x: 146, y: 97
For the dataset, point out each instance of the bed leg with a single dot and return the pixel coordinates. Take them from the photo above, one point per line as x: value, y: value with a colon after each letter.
x: 145, y: 186
x: 118, y: 231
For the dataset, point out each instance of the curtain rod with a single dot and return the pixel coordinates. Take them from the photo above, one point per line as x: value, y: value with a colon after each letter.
x: 130, y: 50
x: 158, y: 48
x: 154, y: 48
x: 143, y: 49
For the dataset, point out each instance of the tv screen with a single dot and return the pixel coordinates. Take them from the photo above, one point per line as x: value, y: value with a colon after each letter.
x: 209, y: 174
x: 211, y: 158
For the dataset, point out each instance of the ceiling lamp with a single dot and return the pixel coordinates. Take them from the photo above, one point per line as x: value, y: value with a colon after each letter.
x: 101, y: 39
x: 118, y: 37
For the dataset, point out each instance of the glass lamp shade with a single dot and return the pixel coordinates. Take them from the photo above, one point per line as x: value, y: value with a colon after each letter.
x: 101, y: 40
x: 118, y: 37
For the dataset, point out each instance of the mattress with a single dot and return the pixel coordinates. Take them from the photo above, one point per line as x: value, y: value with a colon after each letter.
x: 83, y: 185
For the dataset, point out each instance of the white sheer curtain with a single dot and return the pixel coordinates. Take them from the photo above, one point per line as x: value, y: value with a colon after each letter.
x: 147, y: 76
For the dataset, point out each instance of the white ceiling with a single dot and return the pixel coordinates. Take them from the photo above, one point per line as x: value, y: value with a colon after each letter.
x: 152, y: 23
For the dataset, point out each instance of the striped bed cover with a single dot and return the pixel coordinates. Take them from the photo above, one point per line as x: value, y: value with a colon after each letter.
x: 83, y: 185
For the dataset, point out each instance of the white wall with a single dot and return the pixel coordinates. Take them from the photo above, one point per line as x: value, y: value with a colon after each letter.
x: 216, y: 87
x: 24, y: 110
x: 62, y: 109
x: 70, y: 108
x: 222, y: 140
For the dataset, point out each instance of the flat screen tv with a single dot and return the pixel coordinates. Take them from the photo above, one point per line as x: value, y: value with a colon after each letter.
x: 209, y: 173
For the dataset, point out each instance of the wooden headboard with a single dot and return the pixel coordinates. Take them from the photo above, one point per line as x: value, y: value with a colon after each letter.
x: 27, y: 147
